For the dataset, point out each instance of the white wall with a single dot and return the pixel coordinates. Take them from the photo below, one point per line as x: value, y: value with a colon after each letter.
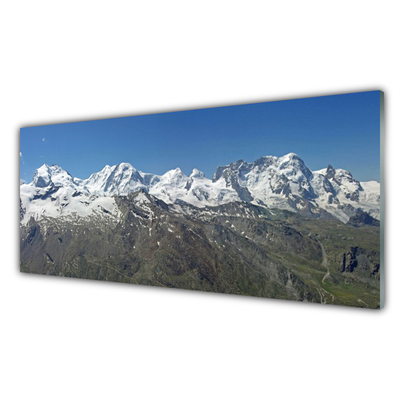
x: 72, y: 339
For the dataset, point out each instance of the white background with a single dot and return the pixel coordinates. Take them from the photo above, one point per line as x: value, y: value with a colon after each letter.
x: 76, y: 60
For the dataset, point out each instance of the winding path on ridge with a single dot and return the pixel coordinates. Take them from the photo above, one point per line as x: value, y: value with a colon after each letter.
x: 324, y: 263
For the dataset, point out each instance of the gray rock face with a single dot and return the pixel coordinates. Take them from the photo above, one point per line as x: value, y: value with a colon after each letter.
x: 363, y: 218
x: 22, y: 210
x: 350, y: 260
x: 360, y: 262
x: 232, y: 175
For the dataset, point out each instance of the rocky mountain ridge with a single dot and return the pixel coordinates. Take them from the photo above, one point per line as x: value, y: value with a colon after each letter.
x: 236, y: 247
x: 270, y: 182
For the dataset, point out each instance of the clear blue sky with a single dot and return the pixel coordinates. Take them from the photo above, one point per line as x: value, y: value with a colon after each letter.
x: 341, y: 130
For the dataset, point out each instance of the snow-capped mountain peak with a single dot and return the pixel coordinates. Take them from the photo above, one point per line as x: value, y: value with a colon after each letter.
x: 119, y: 179
x: 197, y: 174
x: 174, y: 173
x: 47, y: 175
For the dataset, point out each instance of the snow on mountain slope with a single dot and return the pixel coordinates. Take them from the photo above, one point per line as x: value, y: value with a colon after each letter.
x: 54, y: 175
x: 53, y: 192
x: 273, y: 182
x: 344, y: 194
x: 286, y: 182
x: 372, y: 191
x: 195, y: 189
x: 119, y: 179
x: 370, y: 198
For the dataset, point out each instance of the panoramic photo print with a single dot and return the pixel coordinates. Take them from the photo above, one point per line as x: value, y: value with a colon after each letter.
x: 278, y: 200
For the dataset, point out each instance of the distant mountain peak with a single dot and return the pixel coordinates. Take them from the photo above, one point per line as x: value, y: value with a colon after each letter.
x: 175, y: 173
x: 196, y: 173
x: 291, y: 156
x: 46, y: 175
x: 125, y: 166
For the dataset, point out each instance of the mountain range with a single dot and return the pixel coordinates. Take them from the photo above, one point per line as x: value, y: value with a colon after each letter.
x: 271, y: 182
x: 270, y: 228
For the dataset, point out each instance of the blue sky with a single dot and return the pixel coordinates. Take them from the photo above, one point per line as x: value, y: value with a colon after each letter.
x: 341, y: 130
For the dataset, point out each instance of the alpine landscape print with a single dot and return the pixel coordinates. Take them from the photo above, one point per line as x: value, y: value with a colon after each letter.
x: 278, y: 200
